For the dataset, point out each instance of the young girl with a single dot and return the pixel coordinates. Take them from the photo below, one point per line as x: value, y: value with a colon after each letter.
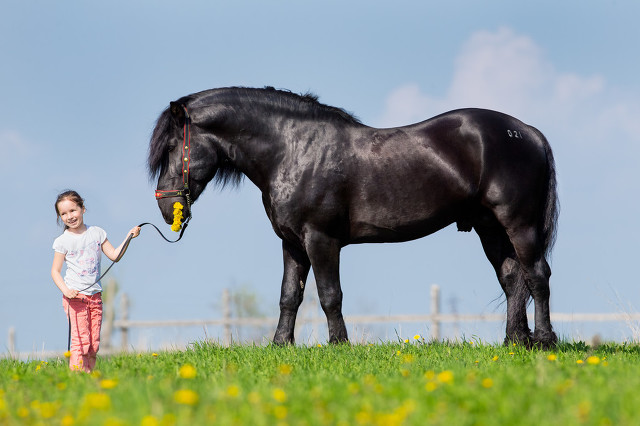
x: 80, y: 246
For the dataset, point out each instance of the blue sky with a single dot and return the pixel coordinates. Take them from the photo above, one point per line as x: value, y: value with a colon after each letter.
x: 83, y: 82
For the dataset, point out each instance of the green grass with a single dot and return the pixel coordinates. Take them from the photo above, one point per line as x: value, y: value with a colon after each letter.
x: 412, y: 383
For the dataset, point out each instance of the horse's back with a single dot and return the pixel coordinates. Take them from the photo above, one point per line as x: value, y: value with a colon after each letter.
x: 414, y: 180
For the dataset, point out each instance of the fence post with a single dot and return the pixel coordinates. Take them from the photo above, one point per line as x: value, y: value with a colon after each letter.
x: 226, y: 314
x: 124, y: 330
x: 109, y: 313
x: 12, y: 341
x: 435, y: 310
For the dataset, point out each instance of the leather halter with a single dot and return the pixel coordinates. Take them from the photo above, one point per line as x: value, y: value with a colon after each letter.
x: 186, y: 160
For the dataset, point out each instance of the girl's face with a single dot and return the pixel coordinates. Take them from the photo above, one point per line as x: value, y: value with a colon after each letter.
x: 71, y: 214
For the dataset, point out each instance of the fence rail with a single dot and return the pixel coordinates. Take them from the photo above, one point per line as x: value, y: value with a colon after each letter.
x: 435, y: 319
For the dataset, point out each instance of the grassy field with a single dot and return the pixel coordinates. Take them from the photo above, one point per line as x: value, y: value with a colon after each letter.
x: 410, y: 383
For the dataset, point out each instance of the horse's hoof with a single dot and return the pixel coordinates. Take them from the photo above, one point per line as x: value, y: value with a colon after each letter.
x: 280, y: 340
x: 545, y: 339
x: 338, y: 340
x: 523, y: 338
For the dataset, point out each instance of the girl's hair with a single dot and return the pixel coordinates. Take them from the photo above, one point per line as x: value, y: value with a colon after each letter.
x: 68, y: 195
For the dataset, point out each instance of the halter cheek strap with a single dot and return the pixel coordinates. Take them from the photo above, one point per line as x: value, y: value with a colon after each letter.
x: 186, y: 161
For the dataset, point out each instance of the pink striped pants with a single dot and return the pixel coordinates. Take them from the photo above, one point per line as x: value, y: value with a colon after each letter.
x: 85, y: 316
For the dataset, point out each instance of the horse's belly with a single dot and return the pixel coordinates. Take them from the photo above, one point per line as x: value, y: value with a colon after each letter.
x: 384, y: 230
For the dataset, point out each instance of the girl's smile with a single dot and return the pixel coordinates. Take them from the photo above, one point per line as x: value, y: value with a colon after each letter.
x: 72, y: 215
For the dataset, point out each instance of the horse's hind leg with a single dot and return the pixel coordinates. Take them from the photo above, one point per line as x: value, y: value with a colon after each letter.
x: 502, y: 256
x: 536, y: 270
x: 296, y: 271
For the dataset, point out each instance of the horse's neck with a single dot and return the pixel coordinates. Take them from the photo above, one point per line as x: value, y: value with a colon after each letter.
x: 256, y: 153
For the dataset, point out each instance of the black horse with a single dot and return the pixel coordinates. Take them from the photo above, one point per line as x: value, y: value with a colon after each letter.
x: 328, y: 181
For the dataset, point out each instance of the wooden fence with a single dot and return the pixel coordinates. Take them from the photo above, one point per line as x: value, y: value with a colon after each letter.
x: 228, y: 323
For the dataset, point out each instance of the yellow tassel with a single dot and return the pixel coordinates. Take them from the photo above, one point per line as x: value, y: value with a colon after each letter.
x: 177, y: 217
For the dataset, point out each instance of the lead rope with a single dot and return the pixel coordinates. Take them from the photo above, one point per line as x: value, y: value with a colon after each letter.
x: 124, y: 249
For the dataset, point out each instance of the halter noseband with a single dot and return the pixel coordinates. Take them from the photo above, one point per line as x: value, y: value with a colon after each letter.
x: 186, y: 160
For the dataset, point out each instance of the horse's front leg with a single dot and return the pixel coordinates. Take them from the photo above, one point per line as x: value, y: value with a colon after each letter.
x: 296, y: 270
x: 324, y: 253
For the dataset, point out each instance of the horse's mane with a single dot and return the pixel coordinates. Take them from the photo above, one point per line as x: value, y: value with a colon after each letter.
x: 305, y: 105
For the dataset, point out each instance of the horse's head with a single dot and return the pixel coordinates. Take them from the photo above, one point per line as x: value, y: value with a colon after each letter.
x: 183, y: 159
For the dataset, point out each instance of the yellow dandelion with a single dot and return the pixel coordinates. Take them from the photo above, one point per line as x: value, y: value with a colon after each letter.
x: 149, y: 420
x: 285, y: 369
x: 233, y: 391
x: 187, y: 371
x: 406, y: 340
x: 487, y: 383
x: 279, y: 395
x: 584, y: 409
x: 319, y: 345
x: 593, y: 360
x: 563, y: 387
x: 429, y: 375
x: 579, y: 361
x: 169, y: 419
x: 254, y: 397
x: 67, y: 420
x: 370, y: 380
x: 108, y: 383
x: 408, y: 358
x: 431, y: 386
x: 445, y: 376
x: 98, y: 401
x: 363, y: 417
x: 495, y: 358
x: 552, y: 357
x: 22, y: 412
x: 155, y: 355
x: 48, y: 409
x: 177, y: 217
x: 280, y: 412
x: 417, y: 337
x: 185, y: 397
x: 67, y: 354
x: 512, y: 353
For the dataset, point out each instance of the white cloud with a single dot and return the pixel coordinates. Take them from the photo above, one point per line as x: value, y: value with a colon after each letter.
x: 504, y: 71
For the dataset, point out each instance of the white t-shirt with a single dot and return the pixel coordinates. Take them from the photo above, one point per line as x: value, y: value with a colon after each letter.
x: 82, y: 254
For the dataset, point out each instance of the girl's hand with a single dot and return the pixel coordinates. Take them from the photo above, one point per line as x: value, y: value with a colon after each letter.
x: 135, y: 231
x: 70, y: 293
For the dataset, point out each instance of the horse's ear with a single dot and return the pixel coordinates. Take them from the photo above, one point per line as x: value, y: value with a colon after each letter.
x: 177, y: 112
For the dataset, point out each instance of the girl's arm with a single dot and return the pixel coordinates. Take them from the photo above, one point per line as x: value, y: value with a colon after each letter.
x: 56, y: 274
x: 113, y: 253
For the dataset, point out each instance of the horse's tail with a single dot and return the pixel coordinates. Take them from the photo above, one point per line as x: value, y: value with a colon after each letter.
x: 552, y: 205
x: 549, y: 224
